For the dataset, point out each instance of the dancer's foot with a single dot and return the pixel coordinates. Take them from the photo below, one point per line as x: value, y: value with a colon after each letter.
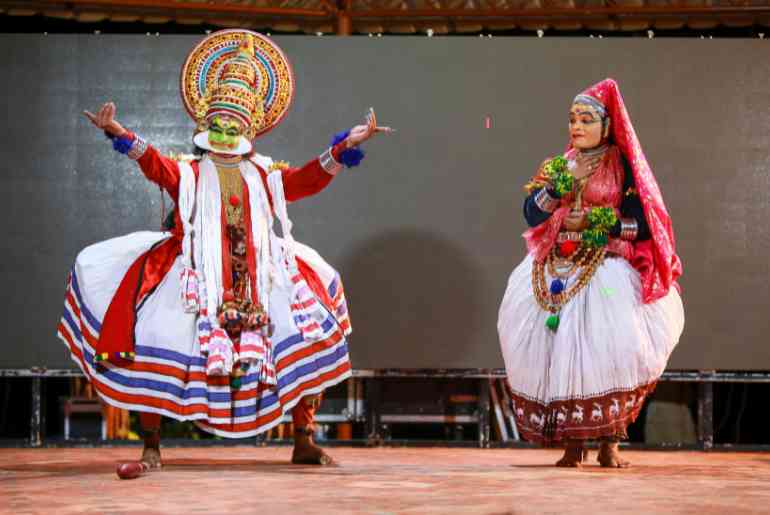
x: 574, y: 454
x: 151, y: 451
x: 306, y: 452
x: 609, y: 456
x: 151, y: 456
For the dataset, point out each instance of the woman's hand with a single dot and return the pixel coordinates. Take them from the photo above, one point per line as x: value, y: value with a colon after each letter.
x: 576, y: 221
x: 105, y: 120
x: 361, y: 133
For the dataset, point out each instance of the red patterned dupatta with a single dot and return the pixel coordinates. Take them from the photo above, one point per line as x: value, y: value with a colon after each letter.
x: 655, y: 259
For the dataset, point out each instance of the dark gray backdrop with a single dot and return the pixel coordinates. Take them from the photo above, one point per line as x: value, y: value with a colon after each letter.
x: 426, y: 232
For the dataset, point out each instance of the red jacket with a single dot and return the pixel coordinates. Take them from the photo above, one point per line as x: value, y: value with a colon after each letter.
x: 144, y: 275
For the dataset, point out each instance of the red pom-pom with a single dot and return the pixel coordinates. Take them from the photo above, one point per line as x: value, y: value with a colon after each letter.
x: 234, y: 200
x: 130, y: 470
x: 228, y: 296
x: 567, y: 248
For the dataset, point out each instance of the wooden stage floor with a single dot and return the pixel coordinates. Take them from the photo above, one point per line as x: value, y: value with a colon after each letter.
x: 216, y: 480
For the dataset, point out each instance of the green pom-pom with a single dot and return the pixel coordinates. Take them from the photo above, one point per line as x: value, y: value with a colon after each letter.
x: 602, y: 218
x: 589, y: 238
x: 563, y: 183
x: 602, y: 239
x: 552, y: 322
x: 594, y: 238
x: 235, y: 383
x: 561, y: 179
x: 557, y: 165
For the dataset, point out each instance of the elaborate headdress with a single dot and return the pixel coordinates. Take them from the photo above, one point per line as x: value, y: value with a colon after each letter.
x: 656, y: 258
x: 241, y: 74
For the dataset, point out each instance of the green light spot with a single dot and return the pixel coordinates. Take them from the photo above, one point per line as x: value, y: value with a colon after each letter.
x: 609, y: 292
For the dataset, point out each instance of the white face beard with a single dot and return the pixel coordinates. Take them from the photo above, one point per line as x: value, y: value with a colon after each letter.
x: 201, y: 140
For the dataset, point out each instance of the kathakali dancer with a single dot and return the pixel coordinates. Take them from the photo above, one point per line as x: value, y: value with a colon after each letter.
x: 591, y: 315
x: 219, y: 320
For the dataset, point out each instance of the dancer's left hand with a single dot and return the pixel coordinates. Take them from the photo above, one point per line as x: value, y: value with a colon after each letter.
x: 576, y: 221
x: 361, y: 133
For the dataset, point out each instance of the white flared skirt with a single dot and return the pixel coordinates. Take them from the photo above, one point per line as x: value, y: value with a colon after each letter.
x: 588, y: 378
x: 168, y: 374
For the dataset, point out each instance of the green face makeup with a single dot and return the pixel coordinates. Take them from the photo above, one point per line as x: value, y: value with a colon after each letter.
x: 224, y: 133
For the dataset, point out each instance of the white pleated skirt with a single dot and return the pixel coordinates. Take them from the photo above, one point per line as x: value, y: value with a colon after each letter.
x: 168, y: 374
x: 589, y: 378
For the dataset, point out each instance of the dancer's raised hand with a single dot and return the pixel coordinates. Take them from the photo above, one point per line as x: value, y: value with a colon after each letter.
x: 105, y: 119
x: 361, y: 133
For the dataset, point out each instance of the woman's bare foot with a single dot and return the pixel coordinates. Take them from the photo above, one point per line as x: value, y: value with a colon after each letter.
x: 574, y: 454
x: 306, y: 452
x: 609, y: 456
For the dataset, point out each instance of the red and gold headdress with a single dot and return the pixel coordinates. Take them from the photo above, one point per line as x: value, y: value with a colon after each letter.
x: 239, y: 73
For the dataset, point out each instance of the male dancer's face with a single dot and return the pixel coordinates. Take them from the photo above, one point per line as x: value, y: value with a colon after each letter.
x: 586, y: 129
x: 224, y: 132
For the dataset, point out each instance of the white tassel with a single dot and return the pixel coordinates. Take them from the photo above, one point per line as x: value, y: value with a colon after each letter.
x: 204, y: 328
x: 220, y: 353
x: 190, y: 290
x: 307, y: 312
x: 257, y: 351
x: 252, y: 347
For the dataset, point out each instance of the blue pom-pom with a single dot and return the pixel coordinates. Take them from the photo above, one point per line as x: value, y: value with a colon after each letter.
x: 350, y: 157
x: 340, y: 137
x: 557, y: 287
x: 122, y: 144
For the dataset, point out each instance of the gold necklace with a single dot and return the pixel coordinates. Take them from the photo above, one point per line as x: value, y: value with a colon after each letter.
x: 231, y: 190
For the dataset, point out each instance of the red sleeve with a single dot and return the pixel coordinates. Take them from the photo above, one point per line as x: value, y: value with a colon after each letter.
x: 310, y: 179
x: 161, y: 170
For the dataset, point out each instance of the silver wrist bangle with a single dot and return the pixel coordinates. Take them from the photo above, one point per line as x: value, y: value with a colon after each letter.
x: 138, y: 148
x: 328, y: 163
x: 569, y: 236
x: 545, y: 201
x: 629, y: 229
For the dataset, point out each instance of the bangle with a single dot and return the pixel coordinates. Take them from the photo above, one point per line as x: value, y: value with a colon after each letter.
x: 138, y: 148
x: 569, y: 236
x: 328, y: 163
x: 629, y: 229
x: 545, y: 201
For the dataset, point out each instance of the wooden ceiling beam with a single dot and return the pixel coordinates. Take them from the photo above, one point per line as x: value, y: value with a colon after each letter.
x: 562, y: 12
x: 346, y: 16
x: 167, y: 7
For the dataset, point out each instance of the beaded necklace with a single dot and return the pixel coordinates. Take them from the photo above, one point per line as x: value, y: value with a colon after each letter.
x: 554, y: 298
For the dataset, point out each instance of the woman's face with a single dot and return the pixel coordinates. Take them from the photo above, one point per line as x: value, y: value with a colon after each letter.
x: 586, y: 130
x: 224, y: 132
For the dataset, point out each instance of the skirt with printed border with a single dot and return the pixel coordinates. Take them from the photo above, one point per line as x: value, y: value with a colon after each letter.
x: 590, y: 377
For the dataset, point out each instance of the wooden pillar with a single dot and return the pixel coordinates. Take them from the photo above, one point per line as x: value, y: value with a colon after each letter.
x: 344, y: 24
x: 344, y: 21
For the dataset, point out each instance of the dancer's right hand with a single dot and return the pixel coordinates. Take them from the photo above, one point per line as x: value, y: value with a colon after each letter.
x: 105, y: 120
